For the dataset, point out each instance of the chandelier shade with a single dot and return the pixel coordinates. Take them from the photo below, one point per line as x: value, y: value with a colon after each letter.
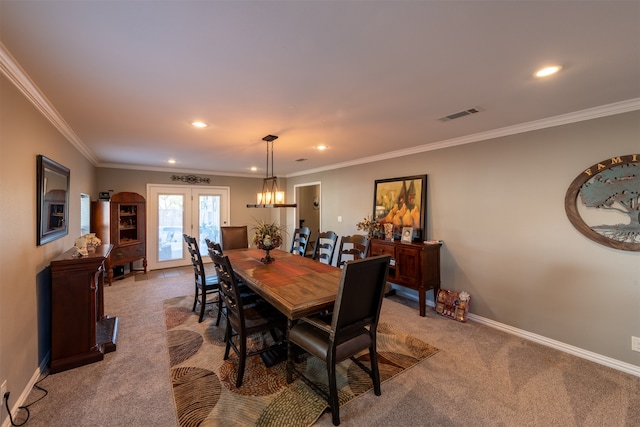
x: 270, y: 196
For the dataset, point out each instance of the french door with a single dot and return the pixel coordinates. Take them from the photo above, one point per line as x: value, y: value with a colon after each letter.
x: 177, y: 209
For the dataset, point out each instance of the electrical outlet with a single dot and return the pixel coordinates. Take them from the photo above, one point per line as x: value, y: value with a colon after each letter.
x: 635, y: 343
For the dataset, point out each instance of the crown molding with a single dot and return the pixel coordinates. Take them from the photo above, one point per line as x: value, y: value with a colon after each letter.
x: 14, y: 72
x: 578, y: 116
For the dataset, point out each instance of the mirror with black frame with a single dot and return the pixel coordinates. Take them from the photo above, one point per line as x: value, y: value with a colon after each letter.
x: 53, y: 200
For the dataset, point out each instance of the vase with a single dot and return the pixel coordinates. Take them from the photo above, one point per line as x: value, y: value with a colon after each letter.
x: 267, y: 259
x: 388, y: 231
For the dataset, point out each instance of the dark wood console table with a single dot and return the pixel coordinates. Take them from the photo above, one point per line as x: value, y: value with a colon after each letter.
x: 80, y: 332
x: 413, y: 265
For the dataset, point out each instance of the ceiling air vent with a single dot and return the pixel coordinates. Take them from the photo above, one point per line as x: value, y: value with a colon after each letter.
x: 460, y: 114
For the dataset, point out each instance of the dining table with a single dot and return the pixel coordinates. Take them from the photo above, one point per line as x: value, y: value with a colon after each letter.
x: 295, y: 285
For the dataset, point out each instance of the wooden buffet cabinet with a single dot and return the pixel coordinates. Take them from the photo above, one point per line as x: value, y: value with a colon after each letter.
x: 413, y: 265
x: 121, y: 222
x: 80, y: 332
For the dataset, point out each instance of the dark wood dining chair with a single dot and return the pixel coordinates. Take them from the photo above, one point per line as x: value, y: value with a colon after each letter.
x: 353, y: 247
x: 300, y: 241
x: 206, y: 285
x: 352, y: 326
x: 234, y: 237
x: 325, y: 247
x: 248, y: 295
x: 245, y: 320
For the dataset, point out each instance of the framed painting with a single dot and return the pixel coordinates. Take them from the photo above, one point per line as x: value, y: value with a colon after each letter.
x: 402, y: 202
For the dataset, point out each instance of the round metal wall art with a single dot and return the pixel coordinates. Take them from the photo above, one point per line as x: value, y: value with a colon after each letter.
x: 603, y: 202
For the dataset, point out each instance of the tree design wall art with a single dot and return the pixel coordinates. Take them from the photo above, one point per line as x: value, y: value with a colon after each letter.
x: 603, y: 202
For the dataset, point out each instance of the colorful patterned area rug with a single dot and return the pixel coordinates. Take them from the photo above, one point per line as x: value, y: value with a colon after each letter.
x: 204, y: 384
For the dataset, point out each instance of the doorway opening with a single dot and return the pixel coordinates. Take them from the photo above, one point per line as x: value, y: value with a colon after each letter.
x: 309, y: 211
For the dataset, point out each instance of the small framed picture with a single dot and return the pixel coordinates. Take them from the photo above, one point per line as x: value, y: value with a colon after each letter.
x: 407, y: 234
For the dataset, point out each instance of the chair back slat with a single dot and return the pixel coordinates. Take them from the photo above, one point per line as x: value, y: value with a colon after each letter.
x: 325, y: 247
x: 300, y: 241
x: 215, y: 247
x: 196, y: 258
x: 352, y: 248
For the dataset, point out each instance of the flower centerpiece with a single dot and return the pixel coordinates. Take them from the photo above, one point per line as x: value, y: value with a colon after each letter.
x: 371, y: 226
x: 267, y: 237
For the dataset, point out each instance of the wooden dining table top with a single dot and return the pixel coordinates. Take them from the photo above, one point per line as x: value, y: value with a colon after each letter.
x: 297, y: 286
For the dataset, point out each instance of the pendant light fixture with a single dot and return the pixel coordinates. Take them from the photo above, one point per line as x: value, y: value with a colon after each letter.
x: 270, y: 196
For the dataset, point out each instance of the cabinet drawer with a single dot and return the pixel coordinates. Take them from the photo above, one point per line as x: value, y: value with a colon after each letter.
x: 383, y: 250
x: 127, y: 252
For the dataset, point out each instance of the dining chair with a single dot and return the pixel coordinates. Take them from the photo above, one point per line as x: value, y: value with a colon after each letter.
x: 248, y: 295
x: 300, y: 241
x: 351, y: 330
x: 325, y: 247
x: 244, y: 320
x: 234, y: 237
x: 205, y: 284
x: 353, y: 247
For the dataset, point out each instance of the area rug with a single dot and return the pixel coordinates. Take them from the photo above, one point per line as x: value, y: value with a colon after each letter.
x: 204, y: 384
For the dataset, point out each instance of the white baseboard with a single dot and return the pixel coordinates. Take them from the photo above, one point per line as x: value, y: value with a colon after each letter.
x: 25, y: 393
x: 576, y: 351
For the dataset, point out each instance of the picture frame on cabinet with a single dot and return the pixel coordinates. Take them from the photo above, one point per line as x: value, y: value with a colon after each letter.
x: 402, y: 202
x: 407, y: 234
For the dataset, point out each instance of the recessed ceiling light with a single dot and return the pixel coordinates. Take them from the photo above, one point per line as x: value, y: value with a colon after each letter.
x: 172, y: 161
x: 253, y: 168
x: 321, y: 147
x: 547, y: 71
x: 199, y: 124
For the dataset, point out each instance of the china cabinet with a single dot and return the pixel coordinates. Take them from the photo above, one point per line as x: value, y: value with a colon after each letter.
x: 121, y: 222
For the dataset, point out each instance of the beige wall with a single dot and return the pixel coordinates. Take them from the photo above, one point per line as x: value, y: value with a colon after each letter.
x: 498, y: 205
x: 24, y: 282
x: 242, y: 190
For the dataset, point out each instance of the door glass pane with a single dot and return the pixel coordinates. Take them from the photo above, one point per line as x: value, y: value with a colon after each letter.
x: 170, y: 226
x: 208, y: 221
x: 85, y: 214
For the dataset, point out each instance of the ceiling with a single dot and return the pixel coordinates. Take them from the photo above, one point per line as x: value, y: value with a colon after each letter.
x: 368, y: 79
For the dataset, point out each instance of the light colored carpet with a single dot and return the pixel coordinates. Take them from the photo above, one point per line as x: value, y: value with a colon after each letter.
x: 480, y: 376
x: 204, y: 384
